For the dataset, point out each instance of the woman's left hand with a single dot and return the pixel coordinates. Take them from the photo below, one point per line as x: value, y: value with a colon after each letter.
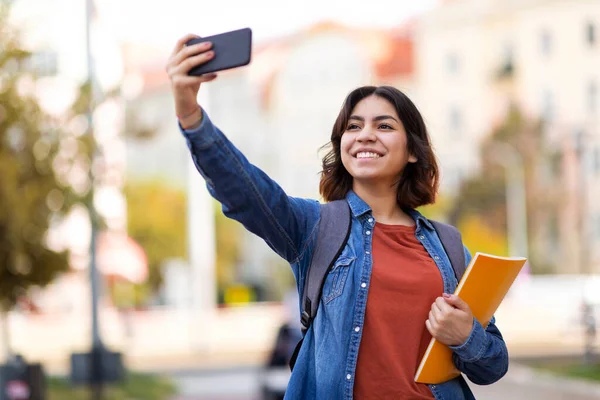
x: 450, y: 320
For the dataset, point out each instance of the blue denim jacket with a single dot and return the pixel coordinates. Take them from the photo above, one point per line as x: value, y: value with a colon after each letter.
x: 326, y: 363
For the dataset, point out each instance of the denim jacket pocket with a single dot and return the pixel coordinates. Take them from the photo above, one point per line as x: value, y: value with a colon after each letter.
x: 336, y: 279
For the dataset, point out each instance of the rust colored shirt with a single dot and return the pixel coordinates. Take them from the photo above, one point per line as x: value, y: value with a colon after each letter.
x: 404, y: 284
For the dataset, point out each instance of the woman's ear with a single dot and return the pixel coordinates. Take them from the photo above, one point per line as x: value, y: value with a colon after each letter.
x: 412, y: 159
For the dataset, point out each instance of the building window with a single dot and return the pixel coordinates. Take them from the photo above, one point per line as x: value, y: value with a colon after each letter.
x: 592, y: 98
x: 455, y: 120
x: 452, y: 63
x: 596, y: 160
x: 507, y: 66
x: 547, y: 111
x: 546, y: 42
x: 590, y: 33
x: 509, y: 61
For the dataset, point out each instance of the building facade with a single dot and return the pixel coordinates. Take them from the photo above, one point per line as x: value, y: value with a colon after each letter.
x: 475, y: 58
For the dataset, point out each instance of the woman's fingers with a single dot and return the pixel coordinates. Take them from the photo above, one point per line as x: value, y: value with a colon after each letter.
x: 181, y: 43
x: 191, y: 51
x: 183, y: 67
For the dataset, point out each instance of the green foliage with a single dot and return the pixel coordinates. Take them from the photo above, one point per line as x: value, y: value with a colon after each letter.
x: 135, y: 387
x: 227, y: 233
x: 574, y: 367
x: 36, y: 157
x: 591, y: 372
x: 40, y: 156
x: 156, y: 219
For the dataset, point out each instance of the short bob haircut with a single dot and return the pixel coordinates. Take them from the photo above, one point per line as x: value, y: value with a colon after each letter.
x: 419, y: 181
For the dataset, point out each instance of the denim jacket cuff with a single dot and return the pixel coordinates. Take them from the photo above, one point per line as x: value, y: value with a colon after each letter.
x: 475, y: 346
x: 202, y: 136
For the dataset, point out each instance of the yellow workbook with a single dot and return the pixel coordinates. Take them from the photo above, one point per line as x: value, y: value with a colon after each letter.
x: 483, y: 286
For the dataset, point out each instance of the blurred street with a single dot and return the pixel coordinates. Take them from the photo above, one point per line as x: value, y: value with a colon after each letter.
x: 519, y: 383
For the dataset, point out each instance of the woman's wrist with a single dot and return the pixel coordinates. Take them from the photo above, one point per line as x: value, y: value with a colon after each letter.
x: 191, y: 120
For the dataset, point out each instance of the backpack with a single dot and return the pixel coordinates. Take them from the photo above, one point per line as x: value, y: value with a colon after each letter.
x: 333, y: 233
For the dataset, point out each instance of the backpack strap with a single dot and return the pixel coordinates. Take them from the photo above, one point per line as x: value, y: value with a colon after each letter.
x: 332, y: 236
x: 452, y: 242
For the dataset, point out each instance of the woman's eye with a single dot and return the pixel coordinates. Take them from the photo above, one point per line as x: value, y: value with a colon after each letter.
x: 385, y: 126
x: 352, y: 126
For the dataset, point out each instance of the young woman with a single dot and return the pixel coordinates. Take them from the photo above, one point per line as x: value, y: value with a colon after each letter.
x: 387, y: 293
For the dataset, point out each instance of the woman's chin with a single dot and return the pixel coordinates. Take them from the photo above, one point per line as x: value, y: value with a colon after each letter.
x: 366, y: 175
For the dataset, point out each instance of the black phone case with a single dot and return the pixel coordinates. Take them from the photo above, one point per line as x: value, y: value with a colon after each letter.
x: 232, y: 49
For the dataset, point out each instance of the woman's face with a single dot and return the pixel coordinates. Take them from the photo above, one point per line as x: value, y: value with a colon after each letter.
x: 373, y: 146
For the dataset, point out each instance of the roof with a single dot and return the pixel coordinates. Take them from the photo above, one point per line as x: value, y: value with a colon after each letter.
x: 390, y: 51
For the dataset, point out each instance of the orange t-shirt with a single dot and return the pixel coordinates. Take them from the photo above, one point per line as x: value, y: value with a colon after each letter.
x: 404, y: 283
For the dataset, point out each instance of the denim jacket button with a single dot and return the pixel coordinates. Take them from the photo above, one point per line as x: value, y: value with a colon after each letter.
x: 422, y: 237
x: 348, y: 376
x: 368, y: 232
x: 363, y: 285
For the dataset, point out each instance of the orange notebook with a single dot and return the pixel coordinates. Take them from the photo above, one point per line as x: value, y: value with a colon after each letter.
x: 486, y: 281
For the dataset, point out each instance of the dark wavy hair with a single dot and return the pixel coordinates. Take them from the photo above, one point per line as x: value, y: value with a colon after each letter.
x: 419, y: 181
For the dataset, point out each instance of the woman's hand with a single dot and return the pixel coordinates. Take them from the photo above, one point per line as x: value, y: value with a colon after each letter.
x: 450, y: 320
x: 185, y: 88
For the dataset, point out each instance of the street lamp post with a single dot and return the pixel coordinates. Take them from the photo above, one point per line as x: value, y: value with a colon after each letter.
x: 587, y: 310
x: 516, y: 198
x: 95, y: 365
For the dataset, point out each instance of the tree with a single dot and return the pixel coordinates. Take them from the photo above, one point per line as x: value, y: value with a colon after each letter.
x: 38, y: 157
x: 481, y: 199
x: 156, y: 215
x: 156, y: 219
x: 228, y: 236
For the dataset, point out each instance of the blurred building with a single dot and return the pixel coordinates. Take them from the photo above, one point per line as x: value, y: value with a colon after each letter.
x: 157, y: 151
x: 475, y: 58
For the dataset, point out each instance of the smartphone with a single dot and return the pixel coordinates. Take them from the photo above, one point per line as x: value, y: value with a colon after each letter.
x: 232, y: 49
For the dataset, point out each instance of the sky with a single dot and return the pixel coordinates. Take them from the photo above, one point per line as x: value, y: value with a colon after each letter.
x: 162, y: 22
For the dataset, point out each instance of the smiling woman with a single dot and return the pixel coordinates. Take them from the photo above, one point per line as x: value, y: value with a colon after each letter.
x: 385, y: 294
x: 379, y: 141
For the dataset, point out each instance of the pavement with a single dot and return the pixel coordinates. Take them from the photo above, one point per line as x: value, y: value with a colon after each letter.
x: 525, y: 383
x: 520, y: 383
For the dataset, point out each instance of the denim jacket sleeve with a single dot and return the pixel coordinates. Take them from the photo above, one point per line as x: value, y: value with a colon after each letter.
x: 484, y: 356
x: 248, y: 195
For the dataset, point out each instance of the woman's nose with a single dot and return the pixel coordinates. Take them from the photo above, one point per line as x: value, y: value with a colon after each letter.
x: 366, y: 135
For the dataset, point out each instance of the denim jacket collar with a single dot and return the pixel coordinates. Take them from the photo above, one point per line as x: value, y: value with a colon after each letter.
x: 359, y: 207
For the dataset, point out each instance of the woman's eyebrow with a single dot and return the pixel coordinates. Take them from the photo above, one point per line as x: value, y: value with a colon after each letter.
x: 377, y: 118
